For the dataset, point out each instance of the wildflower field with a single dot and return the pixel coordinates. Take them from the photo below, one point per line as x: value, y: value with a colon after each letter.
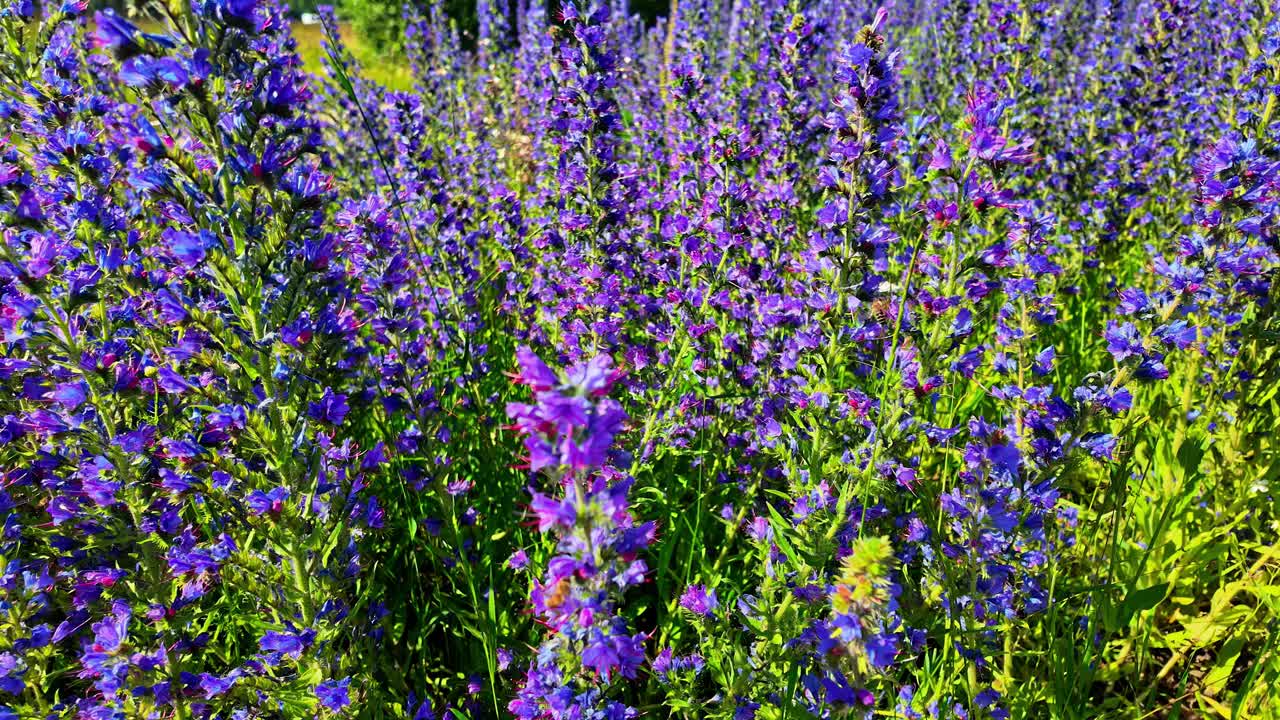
x: 781, y: 359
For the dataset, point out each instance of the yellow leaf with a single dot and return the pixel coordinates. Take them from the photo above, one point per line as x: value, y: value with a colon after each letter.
x: 1214, y: 705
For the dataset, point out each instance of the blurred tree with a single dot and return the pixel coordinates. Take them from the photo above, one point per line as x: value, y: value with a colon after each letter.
x: 650, y: 10
x: 380, y: 23
x: 298, y: 7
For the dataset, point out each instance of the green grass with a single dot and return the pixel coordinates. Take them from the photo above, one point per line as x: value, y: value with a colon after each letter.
x: 384, y: 68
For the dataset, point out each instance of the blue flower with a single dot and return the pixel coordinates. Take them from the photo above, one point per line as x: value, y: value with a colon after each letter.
x: 286, y: 642
x: 188, y: 248
x: 11, y: 674
x: 116, y: 33
x: 334, y: 694
x: 332, y: 407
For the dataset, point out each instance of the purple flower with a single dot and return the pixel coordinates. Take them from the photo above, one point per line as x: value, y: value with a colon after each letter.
x: 171, y: 381
x: 552, y: 513
x: 214, y: 685
x: 286, y: 642
x: 70, y: 395
x: 519, y: 560
x: 882, y: 649
x: 272, y: 502
x: 116, y: 33
x: 11, y: 674
x: 334, y: 694
x: 332, y: 407
x: 110, y: 633
x: 534, y: 372
x: 987, y: 698
x: 608, y: 654
x: 163, y: 72
x: 1123, y: 341
x: 1005, y: 460
x: 697, y: 600
x: 1100, y: 445
x: 187, y: 248
x: 595, y: 377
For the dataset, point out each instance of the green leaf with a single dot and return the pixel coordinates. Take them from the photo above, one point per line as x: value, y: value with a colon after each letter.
x: 1215, y: 681
x: 1135, y: 601
x: 779, y: 536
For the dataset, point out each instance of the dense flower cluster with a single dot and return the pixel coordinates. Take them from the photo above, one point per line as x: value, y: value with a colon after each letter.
x: 568, y: 433
x: 893, y: 355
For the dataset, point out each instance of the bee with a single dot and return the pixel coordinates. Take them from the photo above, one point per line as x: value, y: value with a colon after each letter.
x: 559, y: 593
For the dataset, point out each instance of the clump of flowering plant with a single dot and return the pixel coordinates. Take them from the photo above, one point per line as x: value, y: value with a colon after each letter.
x: 568, y: 431
x: 949, y: 332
